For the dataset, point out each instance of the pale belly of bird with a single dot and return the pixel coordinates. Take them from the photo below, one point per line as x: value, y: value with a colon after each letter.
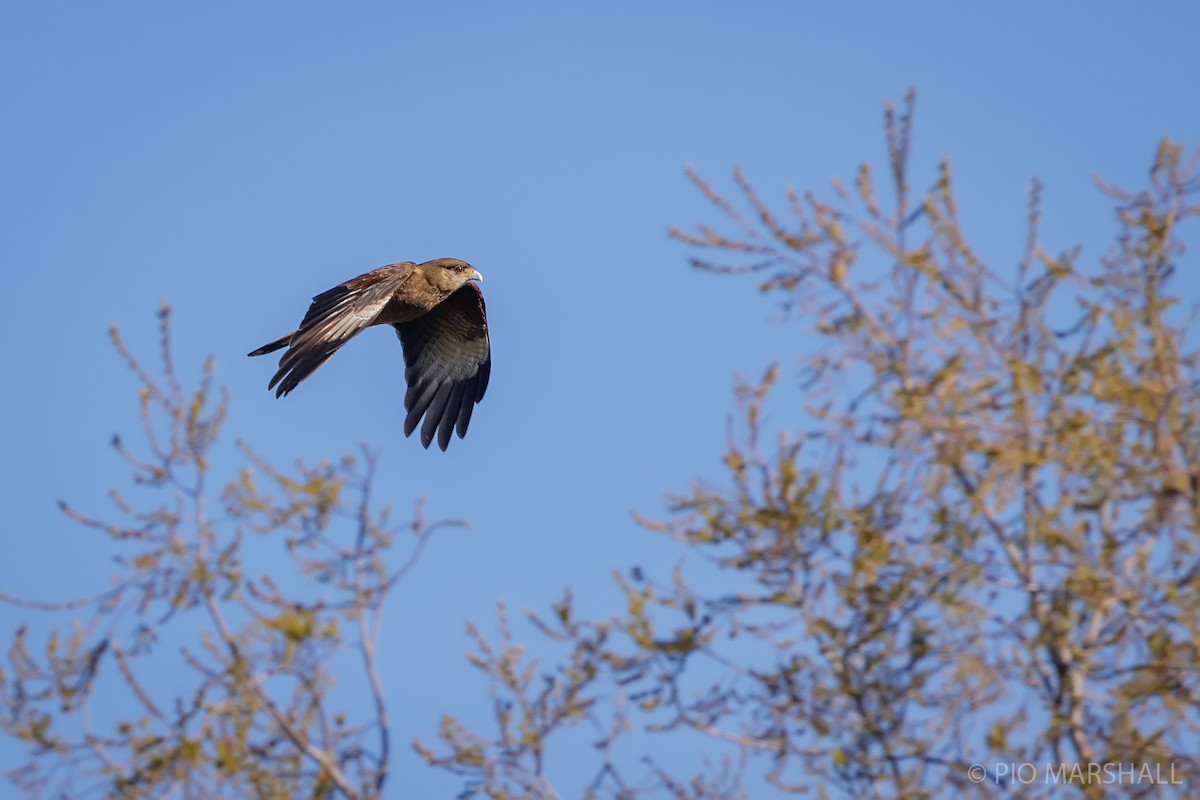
x: 406, y: 310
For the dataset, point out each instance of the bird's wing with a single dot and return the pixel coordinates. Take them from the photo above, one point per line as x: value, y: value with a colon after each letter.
x: 333, y: 319
x: 448, y: 360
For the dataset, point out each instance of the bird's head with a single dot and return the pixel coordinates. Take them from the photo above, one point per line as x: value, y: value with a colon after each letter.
x: 449, y: 274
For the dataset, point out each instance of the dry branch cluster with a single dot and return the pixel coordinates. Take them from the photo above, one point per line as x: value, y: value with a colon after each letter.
x: 260, y: 640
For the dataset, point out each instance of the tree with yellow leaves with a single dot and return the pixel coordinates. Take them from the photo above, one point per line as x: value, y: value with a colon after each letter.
x: 970, y: 540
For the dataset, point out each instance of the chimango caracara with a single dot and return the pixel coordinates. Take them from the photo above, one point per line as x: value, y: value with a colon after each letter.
x: 442, y: 324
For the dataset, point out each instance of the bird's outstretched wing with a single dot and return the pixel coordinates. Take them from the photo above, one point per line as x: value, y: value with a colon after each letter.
x: 332, y: 320
x: 448, y: 360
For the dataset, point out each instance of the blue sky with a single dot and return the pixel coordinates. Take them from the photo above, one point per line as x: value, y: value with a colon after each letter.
x: 236, y: 159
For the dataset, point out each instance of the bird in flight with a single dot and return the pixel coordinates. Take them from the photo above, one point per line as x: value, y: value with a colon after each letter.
x: 439, y: 315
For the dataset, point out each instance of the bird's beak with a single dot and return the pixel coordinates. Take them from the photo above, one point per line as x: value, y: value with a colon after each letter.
x: 474, y: 275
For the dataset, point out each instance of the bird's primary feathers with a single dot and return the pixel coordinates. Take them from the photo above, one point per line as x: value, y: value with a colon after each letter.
x: 439, y: 315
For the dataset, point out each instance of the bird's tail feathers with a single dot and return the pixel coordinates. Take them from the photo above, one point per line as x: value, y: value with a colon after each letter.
x: 271, y: 347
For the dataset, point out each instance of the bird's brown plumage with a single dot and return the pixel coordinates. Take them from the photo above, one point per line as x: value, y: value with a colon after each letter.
x: 440, y: 317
